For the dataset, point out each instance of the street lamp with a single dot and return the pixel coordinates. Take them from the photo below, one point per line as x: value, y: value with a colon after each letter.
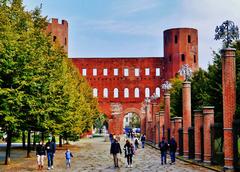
x: 153, y: 99
x: 146, y: 101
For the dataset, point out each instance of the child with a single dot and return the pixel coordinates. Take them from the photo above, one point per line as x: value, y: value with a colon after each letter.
x: 68, y: 156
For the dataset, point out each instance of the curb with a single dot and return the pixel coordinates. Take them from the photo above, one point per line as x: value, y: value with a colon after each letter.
x: 189, y: 161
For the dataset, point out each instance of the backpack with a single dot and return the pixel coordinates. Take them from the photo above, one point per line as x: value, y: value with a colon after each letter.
x: 162, y: 145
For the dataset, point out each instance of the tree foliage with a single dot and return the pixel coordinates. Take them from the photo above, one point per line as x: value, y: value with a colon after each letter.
x: 39, y: 87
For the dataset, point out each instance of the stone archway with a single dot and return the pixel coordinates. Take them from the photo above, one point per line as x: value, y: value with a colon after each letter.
x: 136, y: 111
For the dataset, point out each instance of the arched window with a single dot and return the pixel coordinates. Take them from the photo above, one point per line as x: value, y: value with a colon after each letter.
x: 115, y: 93
x: 126, y: 92
x: 157, y: 91
x: 136, y: 92
x: 105, y: 93
x: 147, y: 92
x: 95, y: 92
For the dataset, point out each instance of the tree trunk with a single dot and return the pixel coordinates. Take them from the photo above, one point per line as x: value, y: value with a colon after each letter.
x: 8, y: 149
x: 60, y: 141
x: 29, y: 144
x: 42, y: 137
x: 34, y: 140
x: 23, y: 139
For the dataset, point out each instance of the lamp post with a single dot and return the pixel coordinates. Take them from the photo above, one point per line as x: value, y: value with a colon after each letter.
x: 166, y: 86
x: 153, y: 99
x: 146, y: 101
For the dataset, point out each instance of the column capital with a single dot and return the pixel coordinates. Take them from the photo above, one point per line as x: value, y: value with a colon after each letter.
x: 197, y: 113
x: 208, y: 110
x: 228, y: 52
x: 186, y: 84
x: 161, y: 113
x: 177, y: 119
x: 166, y: 94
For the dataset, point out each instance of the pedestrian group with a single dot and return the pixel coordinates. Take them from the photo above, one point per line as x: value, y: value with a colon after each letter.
x: 130, y: 149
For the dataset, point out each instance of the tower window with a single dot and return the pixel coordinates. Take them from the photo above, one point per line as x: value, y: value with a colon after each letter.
x: 65, y: 41
x: 54, y: 38
x: 194, y: 58
x: 183, y: 57
x: 176, y: 39
x: 189, y: 38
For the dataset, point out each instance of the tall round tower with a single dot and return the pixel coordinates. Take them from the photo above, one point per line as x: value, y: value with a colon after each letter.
x: 180, y: 47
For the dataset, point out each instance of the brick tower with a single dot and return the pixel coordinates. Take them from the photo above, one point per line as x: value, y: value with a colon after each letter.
x: 180, y: 47
x: 59, y: 32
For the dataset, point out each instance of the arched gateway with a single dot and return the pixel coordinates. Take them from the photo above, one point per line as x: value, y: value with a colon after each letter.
x: 122, y: 84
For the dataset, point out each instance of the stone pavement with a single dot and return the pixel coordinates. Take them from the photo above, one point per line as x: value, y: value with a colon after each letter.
x: 94, y: 155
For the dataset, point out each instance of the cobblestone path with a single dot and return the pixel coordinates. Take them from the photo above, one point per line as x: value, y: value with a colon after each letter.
x: 93, y: 155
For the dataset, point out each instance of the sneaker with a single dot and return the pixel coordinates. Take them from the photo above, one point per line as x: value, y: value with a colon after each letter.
x: 131, y: 166
x: 128, y: 166
x: 49, y: 168
x: 52, y: 167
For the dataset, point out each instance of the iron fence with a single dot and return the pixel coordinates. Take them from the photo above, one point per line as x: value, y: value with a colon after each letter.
x: 202, y: 143
x: 217, y: 155
x: 236, y: 144
x: 191, y: 143
x: 180, y: 134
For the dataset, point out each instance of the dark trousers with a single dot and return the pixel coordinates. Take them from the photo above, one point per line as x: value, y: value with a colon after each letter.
x: 129, y: 159
x: 50, y: 159
x: 163, y: 157
x: 172, y: 155
x: 115, y: 159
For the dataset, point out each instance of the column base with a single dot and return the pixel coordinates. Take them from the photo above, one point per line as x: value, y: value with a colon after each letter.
x: 207, y: 161
x: 228, y: 168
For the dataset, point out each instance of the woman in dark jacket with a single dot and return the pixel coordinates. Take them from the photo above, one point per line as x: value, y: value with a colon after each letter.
x: 41, y: 153
x: 129, y: 151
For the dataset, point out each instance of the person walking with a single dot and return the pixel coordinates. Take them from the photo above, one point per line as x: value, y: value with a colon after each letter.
x: 68, y: 156
x: 41, y: 153
x: 129, y: 151
x: 115, y: 149
x: 136, y: 143
x: 143, y: 140
x: 111, y: 138
x: 172, y: 149
x: 51, y: 149
x: 163, y: 148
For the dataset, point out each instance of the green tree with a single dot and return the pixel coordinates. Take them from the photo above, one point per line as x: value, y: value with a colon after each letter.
x: 176, y: 97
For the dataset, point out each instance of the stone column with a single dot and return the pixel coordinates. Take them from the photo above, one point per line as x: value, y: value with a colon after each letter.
x: 177, y: 126
x: 161, y: 122
x: 198, y: 122
x: 111, y: 126
x: 229, y: 102
x: 186, y: 96
x: 154, y: 122
x: 157, y: 136
x: 149, y: 131
x: 208, y: 120
x: 167, y: 114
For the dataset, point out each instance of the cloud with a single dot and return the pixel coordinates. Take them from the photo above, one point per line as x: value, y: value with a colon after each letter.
x: 133, y: 6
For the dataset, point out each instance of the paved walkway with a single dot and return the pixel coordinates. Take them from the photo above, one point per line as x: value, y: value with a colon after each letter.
x: 93, y: 155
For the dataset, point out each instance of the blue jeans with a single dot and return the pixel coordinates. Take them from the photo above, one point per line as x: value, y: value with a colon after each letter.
x: 164, y: 157
x: 50, y: 159
x: 143, y: 143
x: 172, y: 155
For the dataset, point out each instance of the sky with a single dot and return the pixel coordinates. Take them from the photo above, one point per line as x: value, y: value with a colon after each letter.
x: 134, y: 28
